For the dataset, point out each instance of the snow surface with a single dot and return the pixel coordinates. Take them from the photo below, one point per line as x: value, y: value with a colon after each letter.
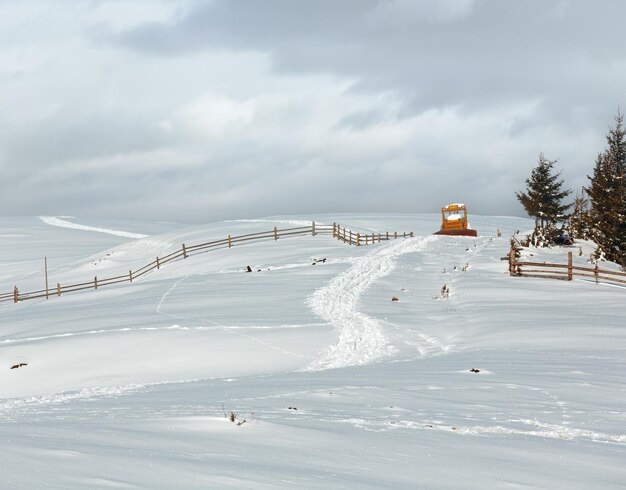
x: 454, y: 217
x: 54, y: 221
x: 128, y: 386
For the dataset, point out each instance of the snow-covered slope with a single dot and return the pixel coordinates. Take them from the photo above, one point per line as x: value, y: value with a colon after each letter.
x: 128, y: 386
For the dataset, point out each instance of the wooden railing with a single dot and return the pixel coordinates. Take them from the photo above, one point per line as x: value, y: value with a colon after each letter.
x: 565, y: 272
x: 353, y: 238
x: 188, y: 250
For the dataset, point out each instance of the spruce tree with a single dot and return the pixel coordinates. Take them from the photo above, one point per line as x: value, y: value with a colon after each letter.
x: 543, y: 200
x: 579, y: 222
x: 607, y: 193
x: 600, y: 200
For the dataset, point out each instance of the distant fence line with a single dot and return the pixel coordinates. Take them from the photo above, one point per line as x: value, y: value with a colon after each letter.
x: 564, y: 272
x: 358, y: 239
x: 342, y: 234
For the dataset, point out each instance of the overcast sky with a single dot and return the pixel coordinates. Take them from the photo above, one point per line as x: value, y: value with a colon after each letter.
x: 196, y: 111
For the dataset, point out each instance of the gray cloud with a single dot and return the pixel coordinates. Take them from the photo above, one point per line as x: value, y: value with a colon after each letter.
x: 493, y: 49
x: 195, y: 111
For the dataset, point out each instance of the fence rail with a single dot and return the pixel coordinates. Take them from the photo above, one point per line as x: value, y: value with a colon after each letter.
x: 564, y: 272
x: 353, y: 238
x: 347, y: 236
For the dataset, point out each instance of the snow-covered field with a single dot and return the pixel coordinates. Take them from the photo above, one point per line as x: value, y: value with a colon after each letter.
x: 340, y: 387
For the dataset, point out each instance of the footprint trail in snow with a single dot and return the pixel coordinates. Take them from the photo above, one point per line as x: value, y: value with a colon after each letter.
x: 361, y: 337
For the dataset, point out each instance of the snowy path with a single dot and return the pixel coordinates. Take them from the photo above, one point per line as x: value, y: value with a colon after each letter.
x: 54, y: 221
x: 361, y: 337
x: 534, y: 429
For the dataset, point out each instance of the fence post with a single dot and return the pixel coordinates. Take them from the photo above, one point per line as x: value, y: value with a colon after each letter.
x: 366, y: 237
x: 395, y: 234
x: 358, y: 239
x: 230, y: 243
x: 511, y: 261
x: 130, y: 274
x: 350, y: 240
x: 158, y: 263
x: 276, y: 233
x: 334, y: 228
x: 379, y: 238
x: 58, y: 289
x: 387, y: 235
x: 569, y: 266
x: 184, y: 251
x: 95, y: 282
x: 411, y: 235
x: 404, y: 235
x: 313, y: 228
x: 16, y: 294
x: 595, y: 272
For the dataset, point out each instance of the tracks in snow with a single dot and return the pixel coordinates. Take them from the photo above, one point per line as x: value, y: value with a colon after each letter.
x: 54, y: 221
x: 361, y: 337
x: 523, y: 427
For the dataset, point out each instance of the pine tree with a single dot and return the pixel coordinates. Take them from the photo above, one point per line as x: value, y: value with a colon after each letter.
x: 543, y: 200
x: 607, y: 193
x: 600, y: 198
x: 579, y: 222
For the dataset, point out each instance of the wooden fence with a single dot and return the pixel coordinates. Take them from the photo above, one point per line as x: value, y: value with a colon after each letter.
x: 564, y: 272
x: 358, y: 239
x: 188, y: 250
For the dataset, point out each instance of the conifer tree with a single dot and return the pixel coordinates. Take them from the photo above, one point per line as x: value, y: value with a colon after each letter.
x: 579, y: 222
x: 600, y: 200
x: 607, y: 194
x: 543, y: 200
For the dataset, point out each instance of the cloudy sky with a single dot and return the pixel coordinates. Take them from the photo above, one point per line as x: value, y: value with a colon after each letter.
x: 196, y: 111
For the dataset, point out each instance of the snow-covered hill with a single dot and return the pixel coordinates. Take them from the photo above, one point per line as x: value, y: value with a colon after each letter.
x: 128, y: 386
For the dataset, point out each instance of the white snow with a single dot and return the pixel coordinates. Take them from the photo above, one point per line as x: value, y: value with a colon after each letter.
x: 54, y: 221
x: 361, y: 337
x: 128, y: 386
x: 278, y: 221
x: 454, y: 217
